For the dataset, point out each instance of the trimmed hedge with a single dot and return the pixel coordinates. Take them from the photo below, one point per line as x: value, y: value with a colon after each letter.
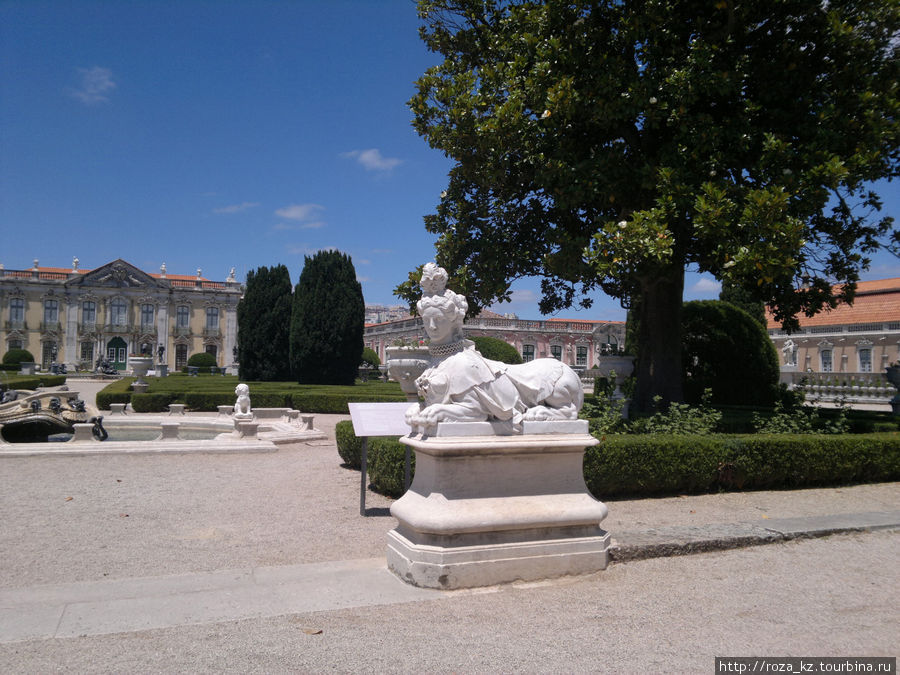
x: 32, y: 381
x: 650, y: 465
x: 334, y: 403
x: 640, y: 466
x: 151, y: 402
x: 202, y: 359
x: 386, y: 460
x: 349, y: 445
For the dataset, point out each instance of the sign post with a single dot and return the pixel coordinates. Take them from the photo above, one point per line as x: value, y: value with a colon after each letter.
x: 378, y: 419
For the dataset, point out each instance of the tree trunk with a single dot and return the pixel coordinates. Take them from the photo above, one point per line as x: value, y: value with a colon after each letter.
x: 658, y: 366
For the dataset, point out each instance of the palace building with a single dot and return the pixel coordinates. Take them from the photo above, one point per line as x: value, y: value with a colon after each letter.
x: 77, y: 316
x: 860, y: 338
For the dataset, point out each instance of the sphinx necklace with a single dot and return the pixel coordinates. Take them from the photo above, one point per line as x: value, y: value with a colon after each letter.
x: 449, y: 349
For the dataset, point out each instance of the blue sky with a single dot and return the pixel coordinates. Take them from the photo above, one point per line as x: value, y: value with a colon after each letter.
x: 227, y: 134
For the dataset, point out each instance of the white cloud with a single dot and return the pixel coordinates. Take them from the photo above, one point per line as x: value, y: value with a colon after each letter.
x: 234, y: 208
x: 299, y: 211
x: 706, y: 285
x: 95, y: 84
x: 373, y: 160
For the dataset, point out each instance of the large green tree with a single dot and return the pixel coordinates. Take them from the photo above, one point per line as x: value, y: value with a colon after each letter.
x: 264, y: 316
x: 327, y: 320
x: 612, y: 144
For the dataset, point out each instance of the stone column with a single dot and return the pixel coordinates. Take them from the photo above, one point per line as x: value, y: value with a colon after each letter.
x: 70, y: 353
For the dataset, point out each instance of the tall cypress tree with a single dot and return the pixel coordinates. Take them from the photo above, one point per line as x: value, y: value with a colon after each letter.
x: 327, y: 320
x: 264, y: 315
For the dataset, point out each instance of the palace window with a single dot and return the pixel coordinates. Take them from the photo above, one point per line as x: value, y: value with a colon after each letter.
x: 17, y: 310
x: 15, y: 344
x: 556, y: 352
x: 51, y: 311
x: 117, y: 312
x: 865, y: 360
x: 212, y: 349
x: 581, y: 356
x: 146, y: 317
x: 528, y: 352
x: 182, y: 316
x: 88, y: 312
x: 827, y: 364
x: 212, y: 318
x: 87, y: 352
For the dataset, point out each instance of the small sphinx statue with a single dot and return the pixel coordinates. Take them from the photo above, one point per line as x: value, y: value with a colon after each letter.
x: 242, y: 404
x: 463, y: 386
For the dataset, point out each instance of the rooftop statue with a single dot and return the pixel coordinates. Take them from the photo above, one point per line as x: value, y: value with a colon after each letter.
x: 463, y: 386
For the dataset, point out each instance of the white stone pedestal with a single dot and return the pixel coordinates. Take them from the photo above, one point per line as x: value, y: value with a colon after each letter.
x: 484, y: 510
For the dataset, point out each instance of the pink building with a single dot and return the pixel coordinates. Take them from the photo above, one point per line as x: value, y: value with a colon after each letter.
x: 577, y: 343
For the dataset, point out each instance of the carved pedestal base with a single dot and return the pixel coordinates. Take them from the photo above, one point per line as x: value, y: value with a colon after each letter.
x: 484, y: 510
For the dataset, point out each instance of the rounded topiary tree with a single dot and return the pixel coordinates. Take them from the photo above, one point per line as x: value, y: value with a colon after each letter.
x: 369, y: 356
x: 497, y: 350
x: 202, y: 360
x: 726, y: 350
x: 15, y: 357
x: 326, y: 340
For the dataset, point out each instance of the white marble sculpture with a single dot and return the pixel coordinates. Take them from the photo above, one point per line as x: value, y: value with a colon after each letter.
x: 789, y: 351
x: 242, y: 405
x: 463, y: 386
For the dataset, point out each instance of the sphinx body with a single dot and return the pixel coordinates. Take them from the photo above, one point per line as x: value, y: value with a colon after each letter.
x: 466, y: 387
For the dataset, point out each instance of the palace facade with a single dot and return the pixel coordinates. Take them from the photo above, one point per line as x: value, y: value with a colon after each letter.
x: 860, y: 338
x: 76, y: 316
x: 577, y: 343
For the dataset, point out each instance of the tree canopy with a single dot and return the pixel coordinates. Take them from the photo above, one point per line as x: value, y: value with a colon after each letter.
x: 326, y: 335
x: 264, y: 315
x: 609, y: 145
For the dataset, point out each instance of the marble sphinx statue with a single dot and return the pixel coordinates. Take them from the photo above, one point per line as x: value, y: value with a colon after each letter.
x: 463, y: 386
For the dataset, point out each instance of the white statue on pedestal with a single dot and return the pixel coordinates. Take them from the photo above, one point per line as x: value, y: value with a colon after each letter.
x: 242, y: 405
x: 463, y: 386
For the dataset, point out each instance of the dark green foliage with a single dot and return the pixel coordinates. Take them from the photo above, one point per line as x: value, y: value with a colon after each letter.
x: 151, y: 403
x: 33, y: 381
x: 639, y: 466
x: 741, y: 297
x: 724, y: 349
x: 15, y: 357
x: 369, y: 356
x: 326, y: 337
x: 208, y: 401
x: 264, y: 319
x: 611, y: 145
x: 336, y: 403
x: 386, y: 461
x: 497, y: 350
x: 202, y: 359
x: 349, y: 445
x: 116, y: 392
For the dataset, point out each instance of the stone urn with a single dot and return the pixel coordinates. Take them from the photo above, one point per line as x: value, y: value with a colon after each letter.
x: 139, y: 367
x: 405, y: 365
x: 893, y: 376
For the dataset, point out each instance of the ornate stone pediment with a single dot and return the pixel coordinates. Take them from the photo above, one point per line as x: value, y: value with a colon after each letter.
x: 118, y: 274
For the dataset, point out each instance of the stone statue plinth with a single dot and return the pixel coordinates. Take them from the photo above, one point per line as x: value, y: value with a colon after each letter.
x: 488, y: 509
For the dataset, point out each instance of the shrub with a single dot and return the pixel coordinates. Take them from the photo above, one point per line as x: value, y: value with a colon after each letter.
x: 386, y: 460
x: 15, y: 357
x: 202, y: 359
x: 334, y: 403
x: 680, y: 419
x: 31, y: 382
x: 147, y: 403
x: 369, y: 356
x: 348, y: 444
x: 718, y: 335
x: 497, y: 350
x: 632, y: 466
x: 209, y: 401
x: 115, y: 392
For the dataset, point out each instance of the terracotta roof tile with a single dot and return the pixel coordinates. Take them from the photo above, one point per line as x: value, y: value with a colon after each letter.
x: 876, y: 301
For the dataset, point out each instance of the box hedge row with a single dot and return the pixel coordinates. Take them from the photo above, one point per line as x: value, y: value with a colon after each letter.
x: 32, y: 382
x: 624, y: 466
x: 385, y: 459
